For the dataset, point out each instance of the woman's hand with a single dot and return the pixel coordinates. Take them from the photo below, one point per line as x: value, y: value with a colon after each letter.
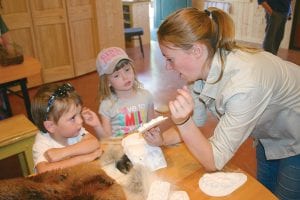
x: 182, y: 107
x: 153, y: 137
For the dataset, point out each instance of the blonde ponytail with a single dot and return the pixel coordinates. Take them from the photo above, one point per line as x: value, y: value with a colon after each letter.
x: 212, y: 27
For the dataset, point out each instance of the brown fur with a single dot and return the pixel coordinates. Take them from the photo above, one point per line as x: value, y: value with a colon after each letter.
x: 82, y: 182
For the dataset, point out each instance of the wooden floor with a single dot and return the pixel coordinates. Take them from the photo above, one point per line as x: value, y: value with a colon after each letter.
x: 162, y: 83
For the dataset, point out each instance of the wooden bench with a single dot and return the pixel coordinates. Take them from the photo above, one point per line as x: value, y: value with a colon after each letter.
x: 17, y: 135
x: 135, y: 31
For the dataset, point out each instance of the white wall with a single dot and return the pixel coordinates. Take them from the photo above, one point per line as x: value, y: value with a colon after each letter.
x: 249, y: 19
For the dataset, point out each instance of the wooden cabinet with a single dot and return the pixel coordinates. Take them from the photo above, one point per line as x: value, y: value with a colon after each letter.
x: 136, y: 14
x: 65, y: 35
x: 110, y: 23
x: 53, y: 39
x: 127, y: 15
x: 83, y: 35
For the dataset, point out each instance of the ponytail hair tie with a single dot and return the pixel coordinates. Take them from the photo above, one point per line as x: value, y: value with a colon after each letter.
x: 207, y: 12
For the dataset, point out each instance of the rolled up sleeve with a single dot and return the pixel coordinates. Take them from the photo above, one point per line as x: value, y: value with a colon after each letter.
x: 240, y: 112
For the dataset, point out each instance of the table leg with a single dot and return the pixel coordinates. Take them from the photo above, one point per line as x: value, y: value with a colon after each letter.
x: 26, y: 97
x: 6, y: 103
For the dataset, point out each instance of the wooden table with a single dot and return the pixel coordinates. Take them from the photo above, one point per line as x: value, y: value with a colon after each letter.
x: 13, y: 75
x: 16, y: 138
x: 184, y: 172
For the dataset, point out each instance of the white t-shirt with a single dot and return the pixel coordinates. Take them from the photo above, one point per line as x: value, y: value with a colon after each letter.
x: 43, y: 142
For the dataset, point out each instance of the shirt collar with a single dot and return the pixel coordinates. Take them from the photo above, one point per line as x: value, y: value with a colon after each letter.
x: 210, y: 88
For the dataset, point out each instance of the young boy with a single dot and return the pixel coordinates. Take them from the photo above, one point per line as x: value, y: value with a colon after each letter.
x: 62, y: 142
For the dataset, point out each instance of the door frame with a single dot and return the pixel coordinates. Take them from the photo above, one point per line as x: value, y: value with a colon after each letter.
x: 295, y: 33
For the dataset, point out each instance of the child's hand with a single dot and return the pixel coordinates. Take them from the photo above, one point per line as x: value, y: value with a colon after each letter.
x: 90, y: 117
x: 54, y: 155
x: 153, y: 137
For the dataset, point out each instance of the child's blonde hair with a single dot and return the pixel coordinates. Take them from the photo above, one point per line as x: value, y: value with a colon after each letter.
x: 51, y: 101
x: 106, y: 91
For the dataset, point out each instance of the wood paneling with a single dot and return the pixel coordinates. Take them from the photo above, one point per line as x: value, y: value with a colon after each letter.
x: 83, y: 35
x: 53, y: 41
x: 110, y: 27
x: 65, y: 35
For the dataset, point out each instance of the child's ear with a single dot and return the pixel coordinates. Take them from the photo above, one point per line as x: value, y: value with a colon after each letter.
x: 50, y: 126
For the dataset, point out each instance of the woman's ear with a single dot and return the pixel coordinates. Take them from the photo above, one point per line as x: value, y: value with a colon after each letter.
x: 199, y: 50
x: 49, y: 126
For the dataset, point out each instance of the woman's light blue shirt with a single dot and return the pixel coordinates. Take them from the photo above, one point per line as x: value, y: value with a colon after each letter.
x: 258, y: 95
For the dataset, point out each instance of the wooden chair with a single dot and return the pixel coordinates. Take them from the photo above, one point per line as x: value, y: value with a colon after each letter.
x: 135, y: 31
x: 17, y: 135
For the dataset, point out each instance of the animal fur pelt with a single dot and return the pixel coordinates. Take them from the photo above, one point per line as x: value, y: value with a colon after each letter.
x: 110, y: 178
x: 82, y: 182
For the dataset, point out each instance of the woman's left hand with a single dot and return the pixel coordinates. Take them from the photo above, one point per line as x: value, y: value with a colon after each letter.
x: 153, y: 137
x: 182, y: 107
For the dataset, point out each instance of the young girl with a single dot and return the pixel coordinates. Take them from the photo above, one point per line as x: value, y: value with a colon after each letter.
x: 62, y: 142
x: 124, y: 105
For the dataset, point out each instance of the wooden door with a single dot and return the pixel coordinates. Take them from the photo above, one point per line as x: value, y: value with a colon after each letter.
x: 83, y: 34
x: 53, y: 41
x: 110, y: 23
x: 163, y: 8
x: 17, y: 16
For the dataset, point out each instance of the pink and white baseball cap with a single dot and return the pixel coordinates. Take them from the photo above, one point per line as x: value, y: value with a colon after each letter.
x: 108, y: 58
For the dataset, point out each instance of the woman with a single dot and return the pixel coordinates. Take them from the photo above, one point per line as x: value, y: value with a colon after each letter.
x: 252, y: 92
